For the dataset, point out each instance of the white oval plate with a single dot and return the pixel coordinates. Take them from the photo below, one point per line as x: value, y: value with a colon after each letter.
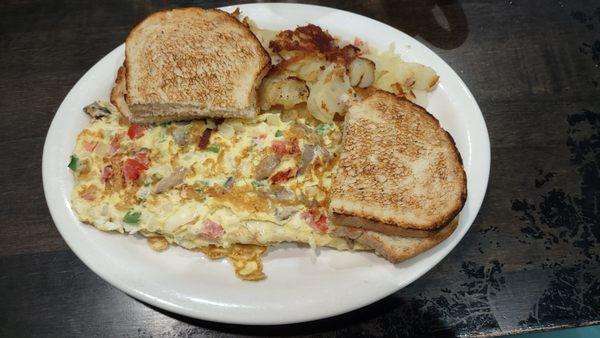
x: 299, y: 286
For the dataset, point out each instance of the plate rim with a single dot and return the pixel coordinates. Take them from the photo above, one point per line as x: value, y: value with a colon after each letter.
x: 169, y: 306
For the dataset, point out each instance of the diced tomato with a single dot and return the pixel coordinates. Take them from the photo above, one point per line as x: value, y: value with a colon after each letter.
x: 115, y: 144
x: 320, y: 224
x: 132, y: 168
x: 90, y: 146
x: 136, y: 131
x: 260, y: 137
x: 142, y: 156
x: 316, y: 220
x: 211, y: 229
x: 294, y: 147
x: 283, y: 176
x: 285, y: 147
x: 90, y: 196
x: 279, y: 147
x: 107, y: 173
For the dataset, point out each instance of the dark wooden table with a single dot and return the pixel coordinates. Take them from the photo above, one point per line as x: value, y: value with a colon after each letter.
x: 530, y: 261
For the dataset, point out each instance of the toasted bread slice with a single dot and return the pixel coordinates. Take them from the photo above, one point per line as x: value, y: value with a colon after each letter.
x: 399, y: 170
x: 191, y: 63
x: 393, y: 248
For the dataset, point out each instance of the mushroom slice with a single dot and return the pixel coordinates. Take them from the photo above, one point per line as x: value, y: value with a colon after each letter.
x: 283, y: 194
x: 180, y: 133
x: 99, y: 109
x: 283, y: 213
x: 266, y: 167
x: 170, y: 181
x: 308, y: 153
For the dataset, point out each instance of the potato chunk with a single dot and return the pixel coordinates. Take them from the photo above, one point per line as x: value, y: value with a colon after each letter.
x: 283, y: 91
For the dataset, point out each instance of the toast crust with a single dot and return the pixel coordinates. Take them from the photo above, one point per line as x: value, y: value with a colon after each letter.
x: 118, y: 93
x: 394, y: 249
x: 191, y: 63
x: 373, y: 225
x: 398, y: 167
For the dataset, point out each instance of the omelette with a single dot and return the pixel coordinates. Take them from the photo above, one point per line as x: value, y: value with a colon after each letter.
x: 206, y: 183
x: 231, y: 187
